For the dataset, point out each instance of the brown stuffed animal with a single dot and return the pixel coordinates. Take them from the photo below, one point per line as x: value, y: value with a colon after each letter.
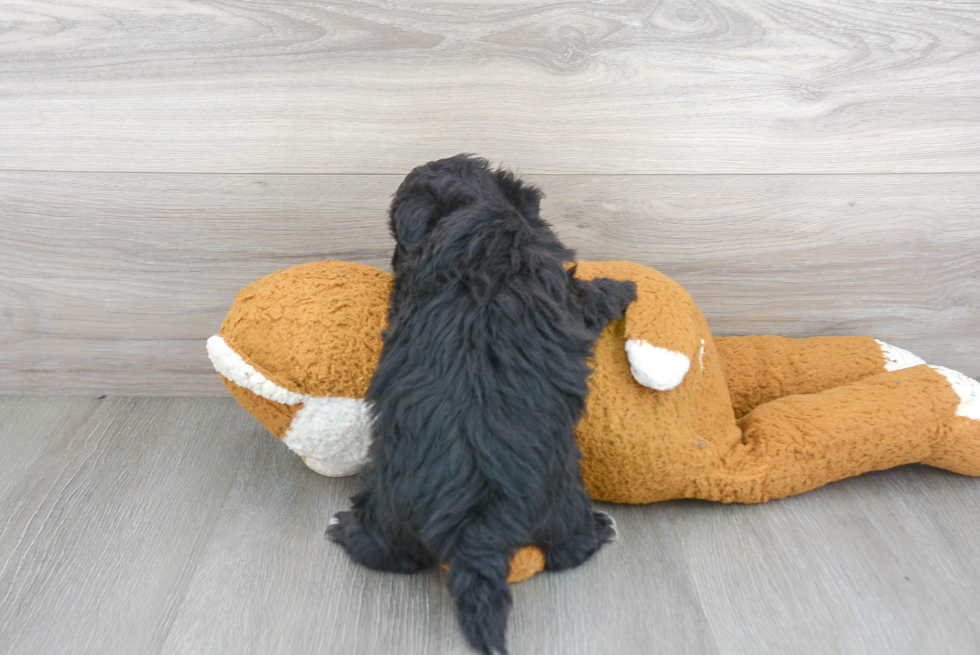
x: 672, y: 412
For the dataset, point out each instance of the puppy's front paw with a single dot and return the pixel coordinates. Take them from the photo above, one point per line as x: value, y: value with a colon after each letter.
x: 619, y: 293
x: 340, y: 526
x: 656, y: 368
x: 626, y: 295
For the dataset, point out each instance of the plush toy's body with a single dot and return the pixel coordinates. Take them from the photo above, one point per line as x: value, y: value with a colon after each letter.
x: 672, y: 412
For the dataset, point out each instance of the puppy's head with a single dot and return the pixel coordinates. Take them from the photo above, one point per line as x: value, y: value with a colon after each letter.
x: 436, y: 190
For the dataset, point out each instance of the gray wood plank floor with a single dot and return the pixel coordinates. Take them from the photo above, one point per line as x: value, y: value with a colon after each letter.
x: 177, y: 526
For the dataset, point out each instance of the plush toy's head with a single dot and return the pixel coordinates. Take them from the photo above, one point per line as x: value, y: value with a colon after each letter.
x: 298, y: 349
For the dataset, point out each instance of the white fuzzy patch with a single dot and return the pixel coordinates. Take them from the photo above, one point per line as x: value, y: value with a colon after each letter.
x: 896, y: 358
x: 333, y: 434
x: 654, y: 367
x: 966, y: 388
x: 230, y: 364
x: 701, y: 355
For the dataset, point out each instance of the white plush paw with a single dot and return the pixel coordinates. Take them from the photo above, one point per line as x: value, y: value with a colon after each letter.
x: 897, y: 358
x: 966, y: 388
x: 654, y: 367
x: 331, y: 434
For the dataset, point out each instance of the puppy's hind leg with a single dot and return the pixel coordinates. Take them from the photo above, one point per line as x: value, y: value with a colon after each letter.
x: 377, y: 544
x: 575, y: 534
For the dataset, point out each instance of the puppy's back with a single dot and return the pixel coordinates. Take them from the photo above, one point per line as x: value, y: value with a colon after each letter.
x: 483, y: 373
x: 481, y: 379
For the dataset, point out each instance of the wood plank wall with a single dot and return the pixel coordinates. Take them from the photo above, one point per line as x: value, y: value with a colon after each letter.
x: 802, y: 168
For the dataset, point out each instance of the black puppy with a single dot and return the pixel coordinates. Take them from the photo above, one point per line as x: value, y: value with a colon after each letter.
x: 481, y: 381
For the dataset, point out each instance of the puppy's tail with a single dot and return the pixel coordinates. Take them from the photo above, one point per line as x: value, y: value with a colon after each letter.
x: 482, y: 599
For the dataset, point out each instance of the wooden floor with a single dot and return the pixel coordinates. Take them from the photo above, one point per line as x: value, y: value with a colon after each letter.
x: 163, y: 525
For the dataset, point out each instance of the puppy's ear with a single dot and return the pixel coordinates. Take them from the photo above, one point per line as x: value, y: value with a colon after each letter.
x: 524, y: 197
x: 431, y: 192
x: 411, y: 219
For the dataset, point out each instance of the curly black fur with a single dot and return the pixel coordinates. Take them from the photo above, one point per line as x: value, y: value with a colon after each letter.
x: 482, y: 378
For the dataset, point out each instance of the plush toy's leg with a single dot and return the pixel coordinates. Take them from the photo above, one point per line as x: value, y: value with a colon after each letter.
x: 959, y: 451
x: 374, y: 543
x: 801, y: 442
x: 762, y: 368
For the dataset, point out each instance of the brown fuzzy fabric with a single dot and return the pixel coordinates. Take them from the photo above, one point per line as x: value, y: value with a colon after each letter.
x: 276, y: 417
x: 525, y: 563
x: 314, y: 328
x: 755, y: 418
x: 759, y: 369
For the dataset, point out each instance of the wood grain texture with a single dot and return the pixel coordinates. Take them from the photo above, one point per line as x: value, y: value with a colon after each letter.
x: 100, y: 535
x: 27, y: 428
x: 270, y: 582
x: 873, y: 573
x: 702, y: 86
x: 110, y: 283
x: 178, y: 526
